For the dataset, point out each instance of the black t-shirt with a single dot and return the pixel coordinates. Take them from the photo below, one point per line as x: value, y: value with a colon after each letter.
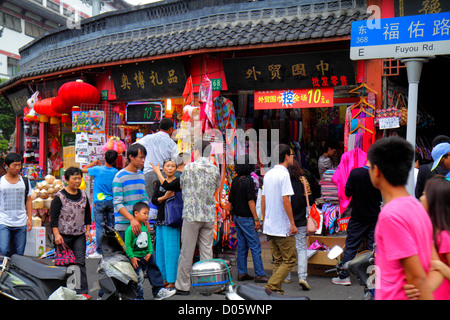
x: 366, y: 199
x: 159, y: 191
x: 241, y: 192
x: 298, y: 203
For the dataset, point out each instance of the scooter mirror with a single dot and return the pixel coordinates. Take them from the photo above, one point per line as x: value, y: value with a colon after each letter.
x: 335, y: 252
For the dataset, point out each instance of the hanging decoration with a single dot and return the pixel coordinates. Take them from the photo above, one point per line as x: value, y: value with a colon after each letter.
x: 74, y: 93
x: 114, y: 143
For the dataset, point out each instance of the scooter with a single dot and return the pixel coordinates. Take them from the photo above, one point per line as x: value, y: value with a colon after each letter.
x: 214, y: 276
x: 362, y: 266
x: 22, y: 278
x: 117, y: 278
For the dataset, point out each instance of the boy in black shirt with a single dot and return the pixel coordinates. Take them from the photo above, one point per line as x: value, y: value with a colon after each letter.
x: 365, y: 203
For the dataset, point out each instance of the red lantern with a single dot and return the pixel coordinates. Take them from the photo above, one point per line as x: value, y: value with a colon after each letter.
x: 74, y: 93
x: 45, y: 107
x: 59, y: 106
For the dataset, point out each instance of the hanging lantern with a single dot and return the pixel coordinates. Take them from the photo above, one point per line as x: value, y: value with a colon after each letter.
x: 74, y: 93
x: 45, y: 107
x: 59, y: 106
x: 66, y: 118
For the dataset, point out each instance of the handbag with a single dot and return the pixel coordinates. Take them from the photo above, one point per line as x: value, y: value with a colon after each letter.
x: 173, y: 210
x: 64, y: 256
x: 311, y: 224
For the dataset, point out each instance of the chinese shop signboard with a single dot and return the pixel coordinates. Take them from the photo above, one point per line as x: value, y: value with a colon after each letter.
x: 143, y: 112
x: 149, y: 80
x: 305, y: 70
x: 294, y: 98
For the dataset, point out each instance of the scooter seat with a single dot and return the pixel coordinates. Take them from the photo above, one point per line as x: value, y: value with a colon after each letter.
x: 251, y: 291
x: 38, y: 270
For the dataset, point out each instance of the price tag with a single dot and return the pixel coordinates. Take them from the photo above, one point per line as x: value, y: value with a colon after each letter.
x: 389, y: 123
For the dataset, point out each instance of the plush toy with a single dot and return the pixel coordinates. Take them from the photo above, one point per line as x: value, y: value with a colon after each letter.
x: 114, y: 143
x: 29, y: 112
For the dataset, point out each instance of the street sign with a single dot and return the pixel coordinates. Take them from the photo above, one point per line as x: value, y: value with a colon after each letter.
x: 402, y: 37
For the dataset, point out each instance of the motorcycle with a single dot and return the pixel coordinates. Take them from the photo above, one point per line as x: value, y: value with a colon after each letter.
x: 362, y: 266
x: 22, y: 278
x: 214, y: 276
x: 117, y: 278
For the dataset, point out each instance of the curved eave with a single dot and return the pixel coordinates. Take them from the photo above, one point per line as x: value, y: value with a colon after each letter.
x: 79, y: 69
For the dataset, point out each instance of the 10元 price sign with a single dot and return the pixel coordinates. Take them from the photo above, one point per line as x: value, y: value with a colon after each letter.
x: 402, y: 37
x: 294, y: 98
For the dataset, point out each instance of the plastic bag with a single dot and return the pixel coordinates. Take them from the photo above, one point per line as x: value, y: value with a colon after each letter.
x: 119, y: 267
x: 63, y: 293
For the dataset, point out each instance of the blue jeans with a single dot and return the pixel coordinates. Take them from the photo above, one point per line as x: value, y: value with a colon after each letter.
x: 247, y: 238
x: 14, y: 238
x: 153, y: 275
x: 103, y: 210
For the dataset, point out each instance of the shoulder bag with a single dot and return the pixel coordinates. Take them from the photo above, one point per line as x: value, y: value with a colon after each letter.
x: 173, y: 210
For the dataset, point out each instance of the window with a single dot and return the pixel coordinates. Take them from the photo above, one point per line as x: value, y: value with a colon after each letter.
x: 10, y: 22
x: 53, y: 5
x: 33, y: 30
x: 13, y: 66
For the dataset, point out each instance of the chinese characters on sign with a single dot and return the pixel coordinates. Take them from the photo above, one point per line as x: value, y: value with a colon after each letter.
x: 324, y: 69
x: 294, y: 98
x: 403, y: 37
x: 415, y: 7
x: 150, y: 80
x: 143, y: 112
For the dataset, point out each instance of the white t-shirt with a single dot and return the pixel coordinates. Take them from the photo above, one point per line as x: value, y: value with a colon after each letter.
x: 12, y: 203
x: 160, y: 147
x: 277, y: 183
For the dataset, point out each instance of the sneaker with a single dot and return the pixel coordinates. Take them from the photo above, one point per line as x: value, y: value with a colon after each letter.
x: 164, y: 293
x: 304, y: 284
x: 95, y: 255
x: 343, y: 282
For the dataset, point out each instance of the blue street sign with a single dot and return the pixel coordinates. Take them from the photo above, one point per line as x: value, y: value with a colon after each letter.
x: 403, y: 37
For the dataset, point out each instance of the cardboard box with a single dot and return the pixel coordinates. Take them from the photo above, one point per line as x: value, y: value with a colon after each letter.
x: 319, y: 262
x: 35, y: 246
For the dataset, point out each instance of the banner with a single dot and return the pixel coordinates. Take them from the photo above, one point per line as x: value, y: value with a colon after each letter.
x: 294, y: 98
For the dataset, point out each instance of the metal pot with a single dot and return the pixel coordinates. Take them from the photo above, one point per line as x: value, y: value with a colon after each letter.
x: 210, y: 276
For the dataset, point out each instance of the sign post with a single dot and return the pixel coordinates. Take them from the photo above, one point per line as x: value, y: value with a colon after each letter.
x: 412, y: 39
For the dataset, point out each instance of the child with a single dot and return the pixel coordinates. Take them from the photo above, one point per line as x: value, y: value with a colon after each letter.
x: 139, y: 250
x: 404, y: 233
x: 436, y: 200
x: 167, y: 237
x: 102, y: 195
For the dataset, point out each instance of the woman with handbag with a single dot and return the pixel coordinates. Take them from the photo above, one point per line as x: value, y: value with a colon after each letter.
x: 167, y: 196
x: 300, y: 209
x: 70, y: 216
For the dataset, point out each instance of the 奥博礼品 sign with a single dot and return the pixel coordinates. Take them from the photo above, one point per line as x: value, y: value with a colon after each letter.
x: 149, y: 80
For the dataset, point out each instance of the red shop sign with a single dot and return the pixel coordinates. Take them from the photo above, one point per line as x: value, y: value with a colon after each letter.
x: 294, y: 98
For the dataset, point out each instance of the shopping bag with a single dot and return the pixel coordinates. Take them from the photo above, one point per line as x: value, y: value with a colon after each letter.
x: 173, y: 210
x: 64, y: 256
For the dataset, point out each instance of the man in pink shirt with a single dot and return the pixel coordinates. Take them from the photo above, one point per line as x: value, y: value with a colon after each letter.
x: 403, y: 235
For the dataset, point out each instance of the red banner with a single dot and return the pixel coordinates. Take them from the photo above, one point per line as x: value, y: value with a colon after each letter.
x: 294, y: 98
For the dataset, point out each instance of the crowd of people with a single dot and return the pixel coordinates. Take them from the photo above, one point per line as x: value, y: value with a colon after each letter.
x: 412, y: 237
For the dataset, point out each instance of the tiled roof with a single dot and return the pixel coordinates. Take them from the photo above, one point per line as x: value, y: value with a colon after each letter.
x: 260, y: 25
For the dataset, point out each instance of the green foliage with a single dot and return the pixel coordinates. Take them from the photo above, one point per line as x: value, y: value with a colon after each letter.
x: 7, y: 119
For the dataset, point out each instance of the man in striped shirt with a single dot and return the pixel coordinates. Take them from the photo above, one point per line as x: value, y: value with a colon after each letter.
x: 128, y: 189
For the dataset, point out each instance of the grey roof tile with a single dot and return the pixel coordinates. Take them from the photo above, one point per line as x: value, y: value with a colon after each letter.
x: 190, y: 35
